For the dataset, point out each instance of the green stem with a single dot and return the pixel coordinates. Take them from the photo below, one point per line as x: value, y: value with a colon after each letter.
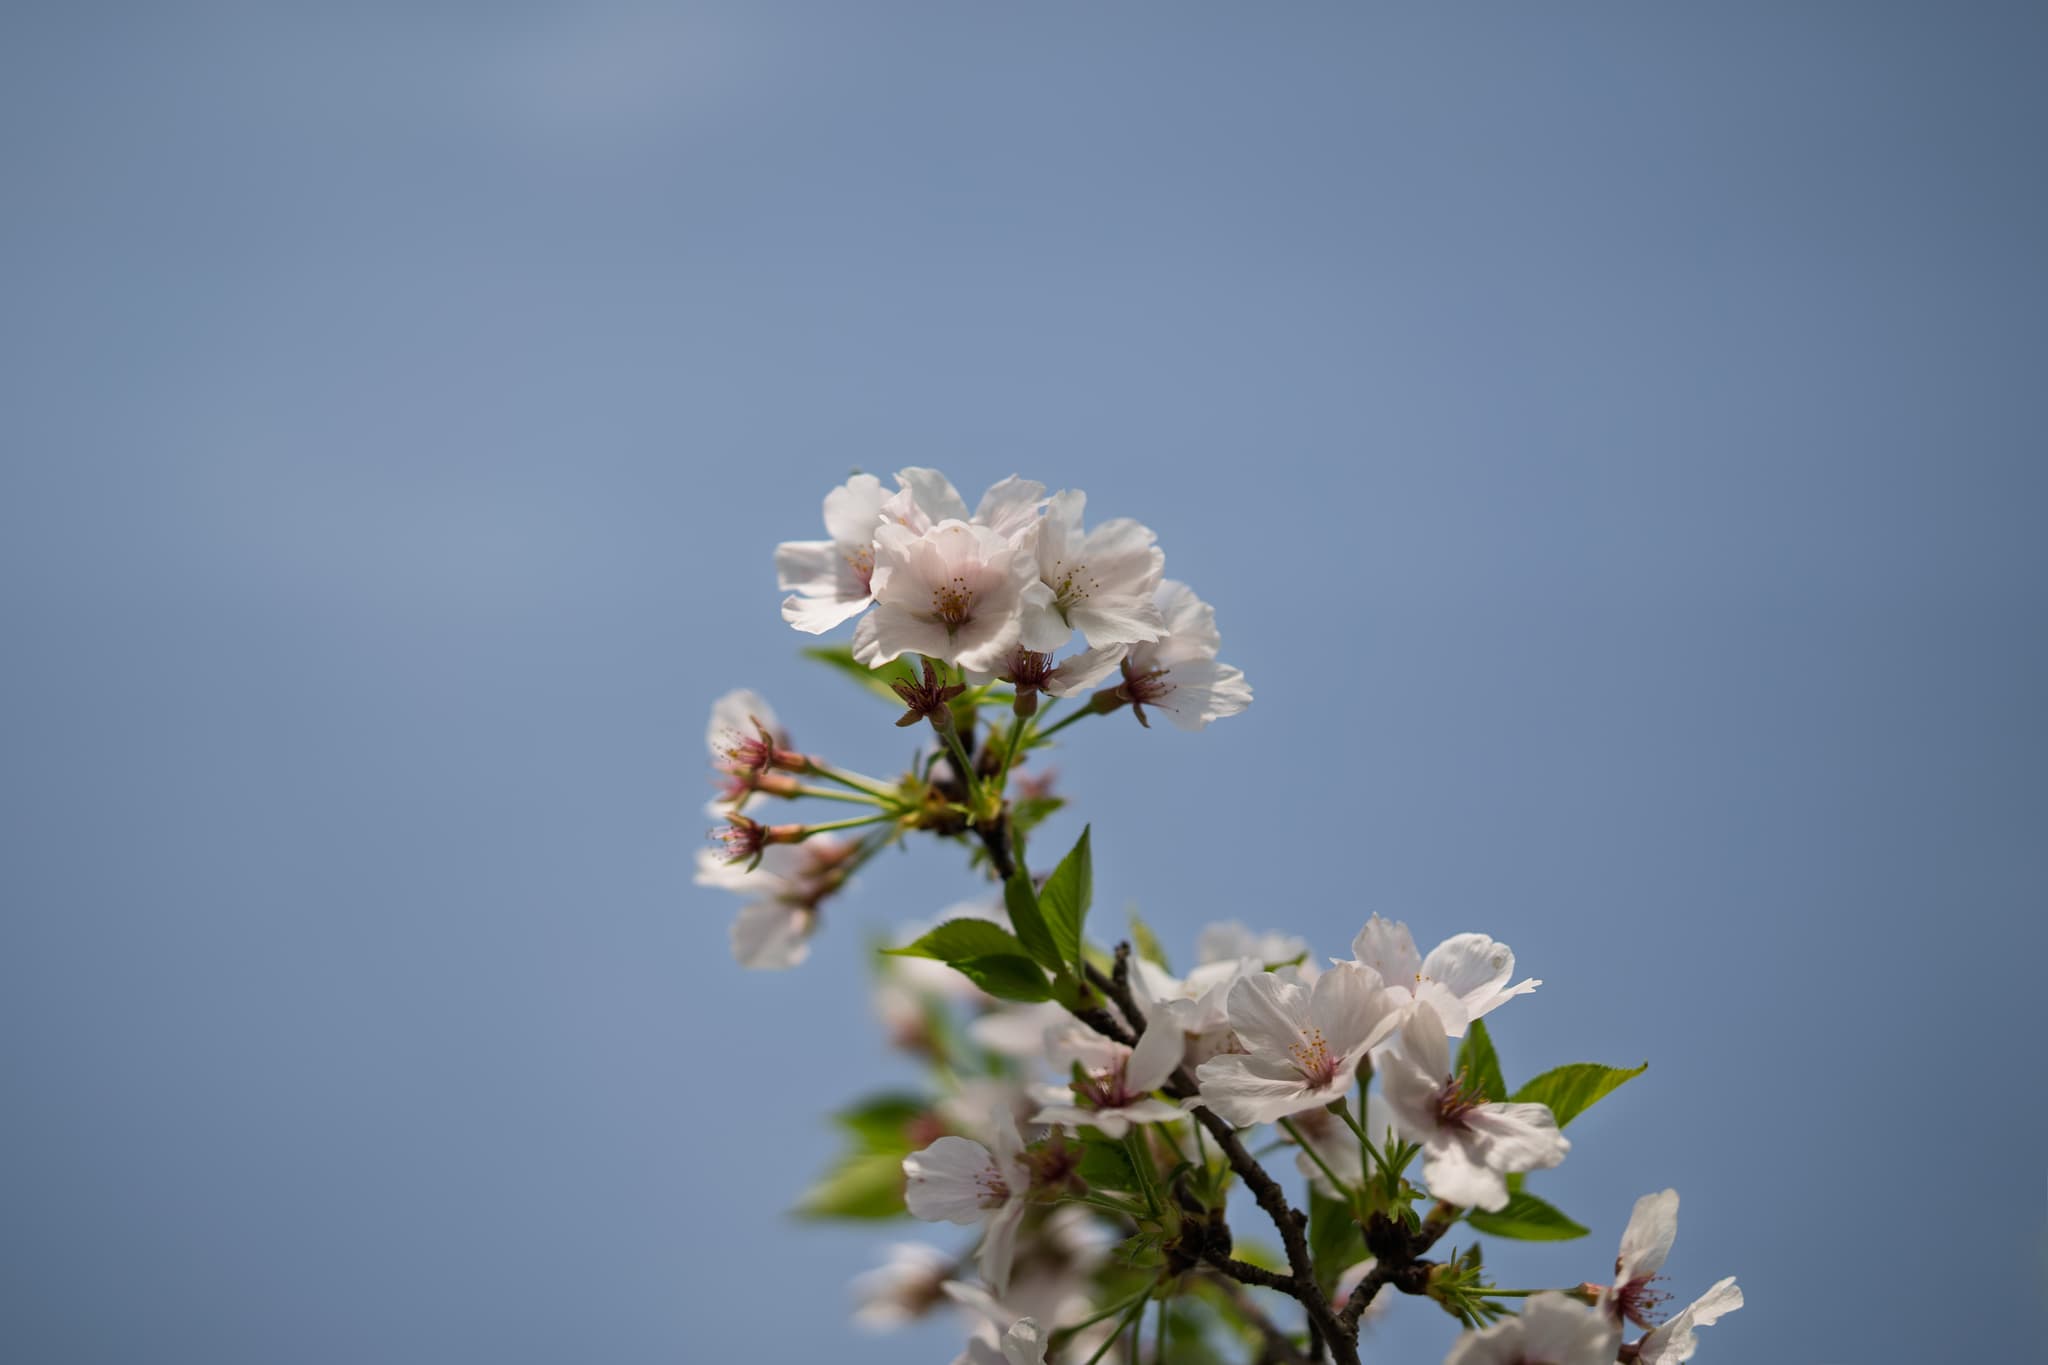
x: 809, y: 830
x: 1137, y: 1311
x: 1049, y: 731
x: 1365, y: 1144
x: 857, y: 797
x: 1519, y: 1293
x: 1016, y: 737
x: 1343, y: 1190
x: 1120, y: 1306
x: 853, y: 780
x: 1141, y: 1163
x: 965, y: 763
x: 1108, y: 1205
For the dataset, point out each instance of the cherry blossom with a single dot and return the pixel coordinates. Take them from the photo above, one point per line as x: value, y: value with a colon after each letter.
x: 904, y: 1287
x: 1468, y: 1144
x: 1116, y: 1089
x: 828, y: 580
x: 1674, y: 1341
x: 1178, y: 672
x: 1229, y: 940
x: 954, y: 593
x: 1553, y: 1329
x: 1100, y: 583
x: 1463, y: 977
x: 773, y: 929
x: 1197, y: 1006
x: 1002, y: 1337
x: 1302, y: 1044
x: 831, y: 581
x: 1652, y: 1228
x: 957, y: 1180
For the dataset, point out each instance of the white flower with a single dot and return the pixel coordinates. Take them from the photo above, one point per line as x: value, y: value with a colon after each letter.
x: 1198, y: 1006
x: 1553, y: 1329
x: 1468, y: 1145
x: 957, y: 1180
x: 1021, y: 1340
x: 1016, y: 1030
x: 1674, y: 1341
x: 1463, y: 977
x: 1230, y: 940
x: 953, y: 593
x: 1652, y: 1228
x: 773, y: 929
x: 829, y: 579
x: 902, y: 1288
x: 1178, y: 672
x: 832, y: 580
x: 745, y: 743
x: 1101, y: 583
x: 1117, y: 1089
x: 1302, y: 1044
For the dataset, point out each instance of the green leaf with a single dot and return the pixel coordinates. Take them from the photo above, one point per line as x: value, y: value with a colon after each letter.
x: 1571, y: 1090
x: 1140, y: 1249
x: 1065, y: 899
x: 1527, y: 1219
x: 1027, y: 814
x: 1480, y: 1063
x: 1335, y: 1243
x: 1107, y: 1165
x: 1007, y: 976
x: 1147, y: 943
x: 1032, y: 932
x: 859, y: 1185
x: 876, y: 680
x: 956, y: 940
x: 881, y: 1123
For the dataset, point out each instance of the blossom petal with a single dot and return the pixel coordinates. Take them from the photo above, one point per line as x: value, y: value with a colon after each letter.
x: 1515, y: 1137
x: 1388, y: 948
x: 935, y: 494
x: 1457, y: 1176
x: 1424, y: 1042
x: 948, y: 1181
x: 1011, y: 506
x: 1245, y: 1090
x: 1024, y: 1343
x: 810, y: 567
x: 853, y: 509
x: 1652, y: 1227
x: 1471, y: 966
x: 769, y: 935
x: 999, y: 1244
x: 817, y: 615
x: 1158, y: 1052
x: 1349, y: 1004
x: 1267, y: 1013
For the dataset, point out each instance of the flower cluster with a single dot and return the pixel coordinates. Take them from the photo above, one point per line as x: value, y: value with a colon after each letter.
x: 999, y: 592
x: 1090, y: 1111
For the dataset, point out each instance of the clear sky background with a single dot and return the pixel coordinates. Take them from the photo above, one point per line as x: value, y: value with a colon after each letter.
x: 1612, y: 436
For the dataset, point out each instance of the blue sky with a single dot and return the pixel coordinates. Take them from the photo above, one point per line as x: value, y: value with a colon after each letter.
x: 1611, y: 437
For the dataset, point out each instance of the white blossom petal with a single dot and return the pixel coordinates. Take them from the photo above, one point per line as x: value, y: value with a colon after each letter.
x: 771, y: 935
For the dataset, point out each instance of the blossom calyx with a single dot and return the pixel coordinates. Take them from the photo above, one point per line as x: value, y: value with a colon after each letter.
x: 743, y: 839
x: 929, y: 699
